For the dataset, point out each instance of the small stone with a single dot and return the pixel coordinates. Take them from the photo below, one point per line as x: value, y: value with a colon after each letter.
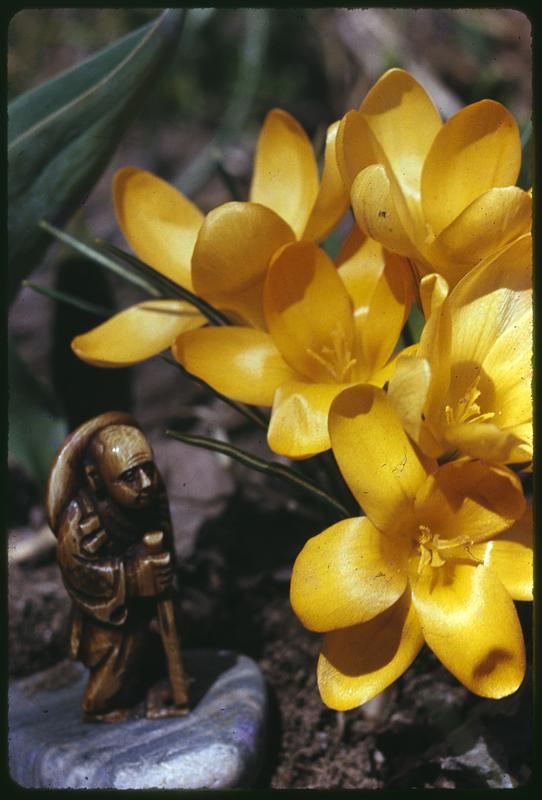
x: 218, y: 745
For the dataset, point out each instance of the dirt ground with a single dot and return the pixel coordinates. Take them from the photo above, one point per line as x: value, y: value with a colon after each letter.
x: 426, y: 732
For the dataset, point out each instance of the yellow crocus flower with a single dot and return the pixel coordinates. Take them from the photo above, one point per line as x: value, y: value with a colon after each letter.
x: 467, y: 390
x: 326, y: 328
x: 439, y: 558
x: 222, y: 256
x: 443, y: 195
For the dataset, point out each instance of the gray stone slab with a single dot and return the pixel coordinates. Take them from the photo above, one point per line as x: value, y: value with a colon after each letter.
x: 219, y: 745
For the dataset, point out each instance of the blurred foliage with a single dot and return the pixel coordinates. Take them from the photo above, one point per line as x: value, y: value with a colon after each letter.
x: 62, y: 133
x: 316, y: 63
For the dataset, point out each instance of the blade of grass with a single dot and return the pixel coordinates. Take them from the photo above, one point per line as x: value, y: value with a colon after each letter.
x: 89, y: 251
x: 169, y: 287
x: 70, y: 299
x: 273, y: 468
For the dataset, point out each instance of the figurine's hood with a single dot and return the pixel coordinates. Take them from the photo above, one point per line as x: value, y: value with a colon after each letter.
x: 66, y: 475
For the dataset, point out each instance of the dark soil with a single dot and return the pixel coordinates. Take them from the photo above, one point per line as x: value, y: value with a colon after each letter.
x: 427, y: 731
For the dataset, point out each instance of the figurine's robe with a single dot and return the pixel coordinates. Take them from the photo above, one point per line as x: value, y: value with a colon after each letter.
x: 110, y: 625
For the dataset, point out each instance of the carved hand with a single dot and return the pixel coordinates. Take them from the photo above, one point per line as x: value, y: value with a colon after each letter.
x: 152, y: 573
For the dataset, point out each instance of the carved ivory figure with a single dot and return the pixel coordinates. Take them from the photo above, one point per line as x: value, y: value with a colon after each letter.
x: 108, y: 507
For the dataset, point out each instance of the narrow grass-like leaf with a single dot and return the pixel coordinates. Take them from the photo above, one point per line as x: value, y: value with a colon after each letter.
x: 169, y: 288
x: 70, y: 299
x: 247, y: 411
x: 63, y: 132
x: 272, y: 468
x: 91, y: 252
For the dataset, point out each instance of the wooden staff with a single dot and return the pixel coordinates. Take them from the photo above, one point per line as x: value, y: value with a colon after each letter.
x: 168, y: 630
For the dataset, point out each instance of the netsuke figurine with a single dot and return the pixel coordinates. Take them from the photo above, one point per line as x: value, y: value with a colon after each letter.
x: 107, y: 505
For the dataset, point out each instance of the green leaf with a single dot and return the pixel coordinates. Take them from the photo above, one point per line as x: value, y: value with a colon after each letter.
x: 135, y: 271
x: 168, y: 287
x: 36, y: 428
x: 70, y: 299
x: 273, y: 468
x: 62, y: 134
x: 93, y: 253
x: 414, y: 326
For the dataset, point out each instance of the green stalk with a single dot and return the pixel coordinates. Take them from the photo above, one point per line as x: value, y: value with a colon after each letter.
x: 70, y: 299
x: 169, y: 287
x: 273, y: 468
x: 89, y: 251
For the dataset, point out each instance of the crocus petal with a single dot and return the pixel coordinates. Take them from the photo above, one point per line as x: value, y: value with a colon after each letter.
x: 433, y: 292
x: 349, y: 249
x: 231, y: 256
x: 298, y: 425
x: 381, y: 287
x: 348, y: 574
x: 285, y: 176
x: 408, y: 391
x: 384, y: 374
x: 404, y: 122
x: 137, y: 333
x: 309, y: 313
x: 470, y: 498
x: 510, y: 556
x: 376, y: 207
x: 524, y: 432
x: 491, y: 317
x: 241, y: 363
x: 359, y: 662
x: 477, y: 149
x: 376, y: 457
x: 360, y: 264
x: 333, y: 198
x: 435, y: 344
x: 355, y: 147
x: 469, y: 621
x: 489, y: 223
x: 159, y: 223
x: 379, y: 324
x: 487, y: 441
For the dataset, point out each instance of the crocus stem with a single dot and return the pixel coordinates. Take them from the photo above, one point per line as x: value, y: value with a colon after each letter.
x: 280, y: 471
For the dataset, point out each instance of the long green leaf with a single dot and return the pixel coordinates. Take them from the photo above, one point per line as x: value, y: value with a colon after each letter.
x: 63, y: 133
x: 169, y: 287
x: 70, y: 299
x: 90, y: 251
x: 135, y: 271
x: 273, y: 468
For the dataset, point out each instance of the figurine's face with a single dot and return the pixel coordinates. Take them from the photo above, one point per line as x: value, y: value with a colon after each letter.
x: 127, y: 467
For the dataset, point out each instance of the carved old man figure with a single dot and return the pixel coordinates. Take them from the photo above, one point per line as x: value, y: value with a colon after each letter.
x: 105, y: 497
